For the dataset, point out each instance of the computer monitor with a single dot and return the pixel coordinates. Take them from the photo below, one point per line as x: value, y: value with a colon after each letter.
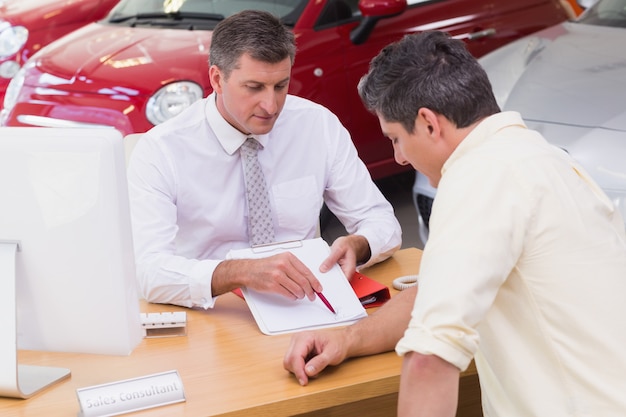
x: 67, y: 272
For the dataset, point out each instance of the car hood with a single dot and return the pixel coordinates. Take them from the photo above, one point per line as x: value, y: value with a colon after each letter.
x: 35, y: 14
x: 568, y: 83
x: 567, y: 74
x: 99, y: 58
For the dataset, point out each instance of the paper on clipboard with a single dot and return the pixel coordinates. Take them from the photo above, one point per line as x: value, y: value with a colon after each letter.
x: 276, y: 314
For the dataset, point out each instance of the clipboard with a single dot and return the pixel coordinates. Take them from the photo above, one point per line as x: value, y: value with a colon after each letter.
x: 275, y: 314
x: 370, y: 292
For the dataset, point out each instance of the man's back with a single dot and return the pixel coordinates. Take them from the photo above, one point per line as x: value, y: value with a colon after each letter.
x: 550, y: 292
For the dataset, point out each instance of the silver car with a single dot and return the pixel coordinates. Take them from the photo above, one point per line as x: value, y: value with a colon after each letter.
x: 569, y: 83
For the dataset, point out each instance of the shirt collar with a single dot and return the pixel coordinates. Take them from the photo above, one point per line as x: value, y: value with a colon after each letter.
x: 483, y: 132
x: 230, y: 138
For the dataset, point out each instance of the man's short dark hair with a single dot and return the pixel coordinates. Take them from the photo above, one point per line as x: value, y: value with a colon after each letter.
x: 430, y: 70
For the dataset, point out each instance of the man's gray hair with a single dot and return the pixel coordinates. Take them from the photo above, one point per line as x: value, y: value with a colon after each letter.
x: 259, y: 34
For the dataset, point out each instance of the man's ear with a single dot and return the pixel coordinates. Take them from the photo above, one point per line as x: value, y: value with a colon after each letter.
x: 430, y: 120
x: 216, y: 78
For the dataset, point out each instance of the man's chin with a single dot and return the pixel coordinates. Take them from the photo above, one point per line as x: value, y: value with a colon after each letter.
x: 261, y: 129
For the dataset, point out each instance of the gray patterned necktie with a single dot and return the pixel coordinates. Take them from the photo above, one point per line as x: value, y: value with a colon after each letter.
x: 260, y: 225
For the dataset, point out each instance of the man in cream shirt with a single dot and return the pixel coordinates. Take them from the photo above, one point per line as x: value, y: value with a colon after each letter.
x: 524, y: 270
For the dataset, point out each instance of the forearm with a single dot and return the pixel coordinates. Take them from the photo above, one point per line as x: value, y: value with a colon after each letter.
x: 229, y: 275
x: 429, y: 387
x: 381, y: 331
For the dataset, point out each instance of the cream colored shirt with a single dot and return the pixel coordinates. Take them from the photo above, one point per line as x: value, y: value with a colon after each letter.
x: 525, y: 271
x: 188, y: 201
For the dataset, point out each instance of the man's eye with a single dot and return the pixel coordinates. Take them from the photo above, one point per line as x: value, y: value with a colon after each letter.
x: 281, y: 86
x: 254, y: 87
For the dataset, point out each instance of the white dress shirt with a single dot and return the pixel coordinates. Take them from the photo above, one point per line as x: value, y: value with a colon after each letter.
x: 188, y: 201
x: 525, y: 270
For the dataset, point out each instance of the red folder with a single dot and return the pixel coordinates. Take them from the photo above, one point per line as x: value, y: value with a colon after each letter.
x: 371, y: 293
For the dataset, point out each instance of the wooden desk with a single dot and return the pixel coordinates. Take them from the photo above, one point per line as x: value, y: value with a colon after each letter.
x: 229, y: 368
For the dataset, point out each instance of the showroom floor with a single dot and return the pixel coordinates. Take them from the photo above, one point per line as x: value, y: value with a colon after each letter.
x: 397, y: 189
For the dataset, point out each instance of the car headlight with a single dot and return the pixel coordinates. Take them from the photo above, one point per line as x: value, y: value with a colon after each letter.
x: 13, y: 89
x: 12, y: 39
x: 172, y: 99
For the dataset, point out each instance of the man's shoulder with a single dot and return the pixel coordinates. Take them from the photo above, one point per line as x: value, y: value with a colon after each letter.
x: 179, y: 125
x: 298, y: 109
x: 298, y: 103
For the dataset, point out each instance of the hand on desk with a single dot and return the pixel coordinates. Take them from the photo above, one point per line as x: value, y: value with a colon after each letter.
x: 309, y: 353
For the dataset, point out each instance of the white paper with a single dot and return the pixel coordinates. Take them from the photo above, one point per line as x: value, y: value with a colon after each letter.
x: 276, y: 314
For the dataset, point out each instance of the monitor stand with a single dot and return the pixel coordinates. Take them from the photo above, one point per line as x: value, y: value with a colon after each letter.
x: 17, y: 381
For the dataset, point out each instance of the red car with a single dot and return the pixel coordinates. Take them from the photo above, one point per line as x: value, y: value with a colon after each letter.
x: 147, y: 60
x: 26, y: 26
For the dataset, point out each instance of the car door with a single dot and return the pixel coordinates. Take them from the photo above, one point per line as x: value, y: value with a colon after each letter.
x: 483, y: 25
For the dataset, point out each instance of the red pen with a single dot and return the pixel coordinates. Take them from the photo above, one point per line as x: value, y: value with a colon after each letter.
x: 325, y: 301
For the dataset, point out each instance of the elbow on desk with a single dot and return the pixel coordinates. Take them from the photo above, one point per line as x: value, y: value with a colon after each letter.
x: 157, y: 291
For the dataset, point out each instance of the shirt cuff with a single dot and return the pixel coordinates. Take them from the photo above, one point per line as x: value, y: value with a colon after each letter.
x: 201, y: 276
x: 418, y: 339
x: 379, y: 250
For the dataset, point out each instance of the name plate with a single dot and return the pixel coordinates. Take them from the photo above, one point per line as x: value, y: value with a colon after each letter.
x: 131, y: 395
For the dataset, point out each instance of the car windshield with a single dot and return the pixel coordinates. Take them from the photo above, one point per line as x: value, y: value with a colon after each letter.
x: 606, y: 13
x: 197, y: 14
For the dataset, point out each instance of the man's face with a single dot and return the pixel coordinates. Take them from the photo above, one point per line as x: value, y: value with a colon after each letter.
x: 254, y: 94
x: 416, y: 148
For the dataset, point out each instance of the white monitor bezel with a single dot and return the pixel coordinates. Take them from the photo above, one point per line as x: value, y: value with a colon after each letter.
x: 88, y: 301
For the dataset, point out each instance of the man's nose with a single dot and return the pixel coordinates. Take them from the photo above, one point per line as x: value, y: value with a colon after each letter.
x: 399, y: 157
x: 269, y: 103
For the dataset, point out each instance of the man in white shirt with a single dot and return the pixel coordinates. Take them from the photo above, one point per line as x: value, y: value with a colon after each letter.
x: 524, y: 270
x: 186, y: 182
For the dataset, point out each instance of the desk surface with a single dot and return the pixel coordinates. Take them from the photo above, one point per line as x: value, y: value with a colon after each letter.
x: 227, y: 366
